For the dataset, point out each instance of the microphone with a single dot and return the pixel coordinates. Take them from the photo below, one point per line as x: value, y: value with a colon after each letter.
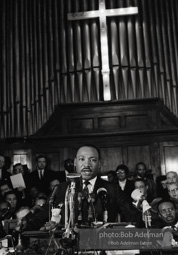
x: 51, y: 200
x: 146, y: 213
x: 80, y: 197
x: 103, y: 195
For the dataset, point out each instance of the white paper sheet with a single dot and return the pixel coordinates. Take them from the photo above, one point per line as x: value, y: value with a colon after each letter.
x: 17, y: 181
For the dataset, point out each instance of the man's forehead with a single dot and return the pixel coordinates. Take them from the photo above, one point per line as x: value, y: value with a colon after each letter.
x: 141, y: 166
x: 41, y: 159
x: 2, y: 157
x: 170, y: 174
x: 87, y: 151
x: 173, y: 185
x: 166, y: 205
x: 11, y: 196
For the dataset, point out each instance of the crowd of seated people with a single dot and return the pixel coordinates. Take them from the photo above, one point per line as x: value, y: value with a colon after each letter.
x: 16, y: 202
x: 24, y: 203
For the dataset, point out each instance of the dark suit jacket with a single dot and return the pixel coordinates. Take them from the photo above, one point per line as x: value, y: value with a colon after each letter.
x: 42, y: 185
x: 129, y: 187
x: 5, y: 175
x: 117, y: 200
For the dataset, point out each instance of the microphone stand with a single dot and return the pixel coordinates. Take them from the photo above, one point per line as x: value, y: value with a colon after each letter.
x: 52, y: 232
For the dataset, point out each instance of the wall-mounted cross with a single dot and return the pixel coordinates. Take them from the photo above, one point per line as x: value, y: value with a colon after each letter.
x: 102, y: 14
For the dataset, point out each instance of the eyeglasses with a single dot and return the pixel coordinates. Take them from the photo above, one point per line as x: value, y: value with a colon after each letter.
x: 120, y: 171
x: 172, y: 190
x: 165, y: 211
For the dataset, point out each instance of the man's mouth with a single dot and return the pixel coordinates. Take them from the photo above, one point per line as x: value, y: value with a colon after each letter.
x: 86, y: 171
x: 169, y: 218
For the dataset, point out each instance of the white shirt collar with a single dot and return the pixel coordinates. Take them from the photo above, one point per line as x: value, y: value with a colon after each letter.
x: 122, y: 184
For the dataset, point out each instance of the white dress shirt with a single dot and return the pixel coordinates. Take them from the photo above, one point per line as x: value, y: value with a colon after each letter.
x: 40, y: 172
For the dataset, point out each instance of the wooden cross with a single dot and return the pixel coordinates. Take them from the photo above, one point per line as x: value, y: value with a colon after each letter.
x: 102, y: 14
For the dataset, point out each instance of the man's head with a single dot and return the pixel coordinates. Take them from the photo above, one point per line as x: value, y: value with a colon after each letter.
x: 2, y: 161
x: 122, y: 172
x: 4, y: 187
x: 87, y: 161
x: 69, y: 165
x: 167, y: 211
x: 173, y: 190
x: 171, y: 176
x: 4, y: 205
x: 41, y: 162
x: 40, y: 201
x: 18, y: 168
x: 140, y: 169
x: 141, y: 185
x: 11, y: 197
x: 112, y: 176
x: 53, y: 183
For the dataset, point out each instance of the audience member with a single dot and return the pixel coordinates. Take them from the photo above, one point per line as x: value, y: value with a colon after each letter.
x: 41, y: 176
x: 5, y: 210
x: 53, y: 183
x: 5, y: 186
x: 172, y: 188
x: 112, y: 176
x: 68, y: 169
x: 20, y: 216
x: 167, y: 213
x: 171, y: 176
x: 126, y: 185
x: 141, y: 173
x: 11, y: 197
x: 142, y: 185
x: 161, y: 182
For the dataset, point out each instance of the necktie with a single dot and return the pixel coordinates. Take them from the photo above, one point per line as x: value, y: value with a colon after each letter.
x: 85, y: 189
x: 85, y: 202
x: 41, y: 174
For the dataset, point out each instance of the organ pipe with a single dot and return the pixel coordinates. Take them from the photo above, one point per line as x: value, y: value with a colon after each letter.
x: 49, y: 60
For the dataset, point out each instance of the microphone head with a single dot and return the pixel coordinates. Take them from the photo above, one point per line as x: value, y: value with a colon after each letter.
x: 101, y: 190
x: 73, y: 177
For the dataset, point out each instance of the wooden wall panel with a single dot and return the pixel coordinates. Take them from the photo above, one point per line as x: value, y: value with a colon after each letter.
x: 136, y: 154
x: 111, y: 157
x: 169, y: 156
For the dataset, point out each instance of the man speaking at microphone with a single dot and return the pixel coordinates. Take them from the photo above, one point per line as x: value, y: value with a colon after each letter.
x: 106, y: 199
